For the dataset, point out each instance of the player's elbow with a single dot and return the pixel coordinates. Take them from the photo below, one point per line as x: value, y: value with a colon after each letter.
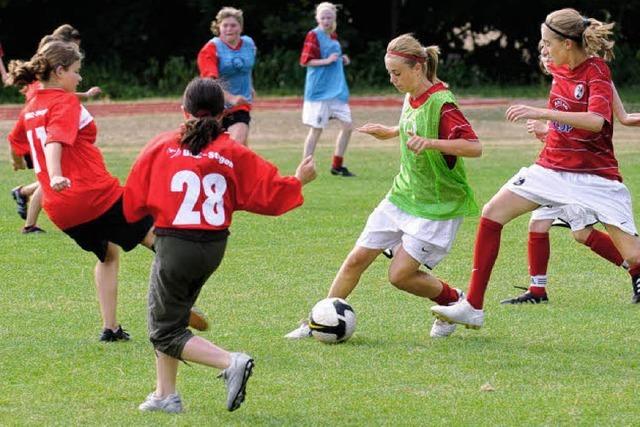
x: 475, y: 149
x: 596, y: 124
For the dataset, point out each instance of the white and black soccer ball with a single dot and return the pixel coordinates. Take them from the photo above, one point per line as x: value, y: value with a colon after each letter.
x: 332, y: 320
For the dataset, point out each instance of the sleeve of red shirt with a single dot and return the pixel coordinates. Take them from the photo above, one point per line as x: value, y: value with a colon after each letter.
x: 600, y: 91
x: 63, y: 121
x: 136, y: 189
x: 261, y: 189
x: 310, y: 49
x: 454, y: 125
x: 208, y: 61
x: 18, y: 138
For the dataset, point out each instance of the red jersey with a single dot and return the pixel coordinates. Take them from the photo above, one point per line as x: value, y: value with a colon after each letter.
x: 586, y: 88
x: 55, y: 115
x: 201, y: 192
x: 208, y: 66
x: 311, y: 47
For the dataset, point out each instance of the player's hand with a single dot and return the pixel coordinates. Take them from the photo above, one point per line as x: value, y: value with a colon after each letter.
x: 94, y: 91
x: 332, y: 58
x: 18, y: 163
x: 306, y: 171
x: 537, y: 128
x: 59, y: 183
x: 519, y: 112
x: 378, y: 131
x: 418, y: 144
x: 346, y: 60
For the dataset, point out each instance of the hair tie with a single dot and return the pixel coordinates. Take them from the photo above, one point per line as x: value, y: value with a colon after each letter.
x: 585, y: 22
x: 561, y: 34
x: 419, y: 59
x: 202, y: 113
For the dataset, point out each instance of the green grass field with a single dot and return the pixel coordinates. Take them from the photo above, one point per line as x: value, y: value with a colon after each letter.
x: 571, y: 362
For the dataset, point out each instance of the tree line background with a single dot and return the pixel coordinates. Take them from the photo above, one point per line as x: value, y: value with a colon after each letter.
x: 148, y: 47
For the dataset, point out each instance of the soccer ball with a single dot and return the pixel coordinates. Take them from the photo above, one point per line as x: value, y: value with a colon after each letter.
x: 332, y: 320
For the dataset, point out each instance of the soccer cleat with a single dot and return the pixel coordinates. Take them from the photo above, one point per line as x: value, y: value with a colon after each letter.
x: 119, y: 334
x: 302, y: 331
x: 461, y: 312
x: 171, y: 403
x: 341, y: 171
x: 197, y: 320
x: 442, y: 328
x: 22, y: 202
x: 235, y: 378
x: 635, y: 284
x: 32, y: 229
x: 526, y: 298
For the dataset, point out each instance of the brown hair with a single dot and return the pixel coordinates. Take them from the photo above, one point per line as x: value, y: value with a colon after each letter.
x: 50, y: 56
x: 589, y: 33
x: 67, y: 33
x: 412, y: 52
x: 204, y: 100
x: 224, y: 13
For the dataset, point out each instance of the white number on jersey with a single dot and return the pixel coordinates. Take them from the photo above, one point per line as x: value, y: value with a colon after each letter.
x: 214, y: 186
x: 41, y: 135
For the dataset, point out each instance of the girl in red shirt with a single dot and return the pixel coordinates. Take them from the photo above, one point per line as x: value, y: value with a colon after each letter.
x: 80, y: 196
x: 577, y: 165
x: 192, y: 180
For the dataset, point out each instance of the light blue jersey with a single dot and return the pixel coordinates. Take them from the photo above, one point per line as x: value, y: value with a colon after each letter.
x: 235, y: 66
x: 326, y: 82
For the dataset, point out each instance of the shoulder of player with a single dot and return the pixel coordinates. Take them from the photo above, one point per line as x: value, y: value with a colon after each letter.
x: 598, y: 68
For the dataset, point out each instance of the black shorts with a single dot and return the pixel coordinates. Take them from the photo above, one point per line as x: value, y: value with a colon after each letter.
x: 28, y: 160
x: 111, y: 226
x: 240, y: 116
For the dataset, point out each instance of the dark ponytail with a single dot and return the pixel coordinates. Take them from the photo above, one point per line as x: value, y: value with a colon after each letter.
x: 204, y: 100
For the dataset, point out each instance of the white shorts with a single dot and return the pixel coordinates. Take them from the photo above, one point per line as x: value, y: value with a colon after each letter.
x: 576, y: 216
x: 317, y: 113
x: 427, y: 241
x: 608, y: 201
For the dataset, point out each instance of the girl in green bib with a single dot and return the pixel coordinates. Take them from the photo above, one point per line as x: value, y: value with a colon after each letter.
x: 421, y: 214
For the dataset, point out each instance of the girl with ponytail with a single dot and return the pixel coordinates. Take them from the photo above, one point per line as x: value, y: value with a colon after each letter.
x: 577, y: 165
x: 191, y: 181
x: 417, y: 222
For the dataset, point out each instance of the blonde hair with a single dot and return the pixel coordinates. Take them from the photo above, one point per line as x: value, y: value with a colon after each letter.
x: 49, y: 57
x: 428, y: 56
x: 224, y: 13
x: 330, y: 7
x: 589, y: 33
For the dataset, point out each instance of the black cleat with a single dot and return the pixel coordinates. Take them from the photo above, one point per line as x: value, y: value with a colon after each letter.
x: 119, y: 334
x: 341, y: 171
x: 525, y: 298
x: 635, y: 284
x: 22, y: 202
x: 32, y: 229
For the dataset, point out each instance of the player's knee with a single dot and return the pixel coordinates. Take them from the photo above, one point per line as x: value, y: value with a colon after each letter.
x: 170, y: 341
x: 581, y: 236
x: 397, y: 276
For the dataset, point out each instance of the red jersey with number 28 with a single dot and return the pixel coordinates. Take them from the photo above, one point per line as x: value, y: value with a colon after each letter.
x: 586, y: 88
x: 185, y: 191
x: 54, y: 115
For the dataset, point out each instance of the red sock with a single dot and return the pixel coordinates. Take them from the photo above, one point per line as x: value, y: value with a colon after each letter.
x: 337, y: 162
x: 634, y: 270
x: 539, y: 251
x: 485, y: 253
x: 447, y: 296
x: 602, y: 244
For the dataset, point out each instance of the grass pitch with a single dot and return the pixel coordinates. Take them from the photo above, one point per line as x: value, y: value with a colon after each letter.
x: 573, y: 361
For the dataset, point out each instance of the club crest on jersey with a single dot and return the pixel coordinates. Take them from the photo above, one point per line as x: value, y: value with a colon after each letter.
x: 578, y: 92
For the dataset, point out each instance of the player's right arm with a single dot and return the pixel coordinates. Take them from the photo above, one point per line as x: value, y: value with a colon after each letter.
x: 379, y: 131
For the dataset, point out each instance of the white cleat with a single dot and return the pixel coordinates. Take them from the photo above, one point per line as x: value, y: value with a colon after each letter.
x: 441, y: 328
x: 302, y: 331
x: 462, y: 312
